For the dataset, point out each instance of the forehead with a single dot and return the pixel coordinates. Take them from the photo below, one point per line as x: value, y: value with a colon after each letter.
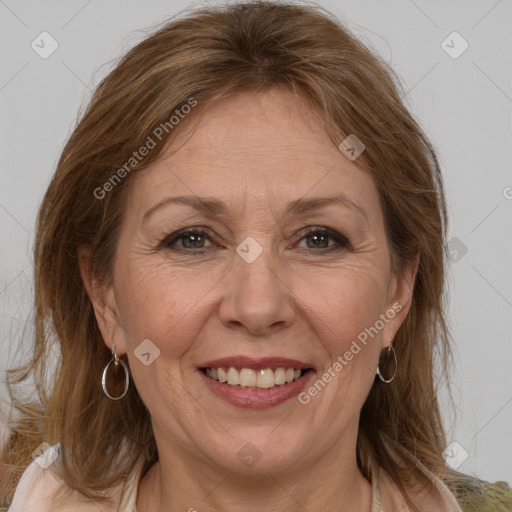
x: 254, y: 148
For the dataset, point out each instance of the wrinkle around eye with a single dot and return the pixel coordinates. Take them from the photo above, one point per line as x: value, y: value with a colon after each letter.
x: 348, y: 233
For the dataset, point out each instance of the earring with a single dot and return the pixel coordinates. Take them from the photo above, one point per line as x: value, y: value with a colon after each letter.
x: 114, y: 379
x: 387, y: 381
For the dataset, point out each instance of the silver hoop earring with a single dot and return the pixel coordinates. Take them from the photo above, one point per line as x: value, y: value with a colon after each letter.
x: 114, y: 379
x: 387, y: 381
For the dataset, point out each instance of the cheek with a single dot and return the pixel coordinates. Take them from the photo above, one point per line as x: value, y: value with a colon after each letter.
x: 345, y: 303
x: 166, y: 306
x: 163, y: 304
x: 342, y: 310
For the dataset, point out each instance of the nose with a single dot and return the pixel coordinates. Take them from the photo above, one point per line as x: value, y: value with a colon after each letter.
x: 257, y: 300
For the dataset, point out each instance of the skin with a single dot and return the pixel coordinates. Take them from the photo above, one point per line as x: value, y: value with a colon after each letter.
x: 257, y: 153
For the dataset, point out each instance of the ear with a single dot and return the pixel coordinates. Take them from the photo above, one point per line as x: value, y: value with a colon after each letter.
x: 400, y: 292
x: 103, y: 301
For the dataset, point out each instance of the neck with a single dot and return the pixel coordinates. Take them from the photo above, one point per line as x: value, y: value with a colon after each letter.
x: 333, y: 483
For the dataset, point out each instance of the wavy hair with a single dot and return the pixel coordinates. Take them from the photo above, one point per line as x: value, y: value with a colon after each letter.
x: 210, y: 54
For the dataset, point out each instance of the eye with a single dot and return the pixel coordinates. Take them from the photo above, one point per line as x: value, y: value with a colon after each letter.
x: 195, y: 239
x: 319, y: 238
x: 190, y: 239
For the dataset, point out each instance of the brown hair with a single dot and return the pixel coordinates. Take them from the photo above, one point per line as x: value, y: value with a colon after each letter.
x: 209, y: 55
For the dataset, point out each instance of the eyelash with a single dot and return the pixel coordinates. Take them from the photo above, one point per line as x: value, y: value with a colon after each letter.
x: 341, y: 241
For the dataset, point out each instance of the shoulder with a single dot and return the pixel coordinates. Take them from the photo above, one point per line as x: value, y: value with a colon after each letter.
x: 480, y: 496
x: 464, y: 493
x: 41, y: 489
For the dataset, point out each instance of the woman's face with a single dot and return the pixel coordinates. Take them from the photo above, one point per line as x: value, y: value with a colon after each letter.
x: 277, y: 278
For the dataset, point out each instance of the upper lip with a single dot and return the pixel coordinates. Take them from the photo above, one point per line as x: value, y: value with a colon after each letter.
x: 256, y: 364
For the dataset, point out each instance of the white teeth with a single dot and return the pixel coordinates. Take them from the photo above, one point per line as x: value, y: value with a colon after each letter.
x: 233, y: 377
x: 280, y: 376
x: 265, y: 378
x: 247, y: 377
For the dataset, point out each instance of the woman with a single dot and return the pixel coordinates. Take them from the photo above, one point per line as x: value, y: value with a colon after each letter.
x: 241, y: 257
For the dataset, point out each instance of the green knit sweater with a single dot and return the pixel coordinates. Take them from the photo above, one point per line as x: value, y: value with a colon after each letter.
x: 485, y: 497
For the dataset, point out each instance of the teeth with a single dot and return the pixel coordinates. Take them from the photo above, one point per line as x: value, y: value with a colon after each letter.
x: 265, y: 378
x: 222, y: 377
x: 233, y: 377
x: 247, y: 377
x: 280, y: 376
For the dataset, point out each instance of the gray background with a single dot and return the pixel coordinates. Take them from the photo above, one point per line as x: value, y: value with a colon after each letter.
x: 463, y: 103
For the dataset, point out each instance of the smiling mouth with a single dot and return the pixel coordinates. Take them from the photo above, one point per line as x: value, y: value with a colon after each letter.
x: 248, y: 378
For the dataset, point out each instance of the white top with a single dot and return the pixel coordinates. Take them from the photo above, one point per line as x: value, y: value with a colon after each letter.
x: 38, y: 485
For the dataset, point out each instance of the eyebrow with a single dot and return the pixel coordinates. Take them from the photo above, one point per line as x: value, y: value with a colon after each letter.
x: 212, y: 207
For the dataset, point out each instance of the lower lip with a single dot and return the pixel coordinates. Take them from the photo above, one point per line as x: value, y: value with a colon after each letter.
x: 257, y: 398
